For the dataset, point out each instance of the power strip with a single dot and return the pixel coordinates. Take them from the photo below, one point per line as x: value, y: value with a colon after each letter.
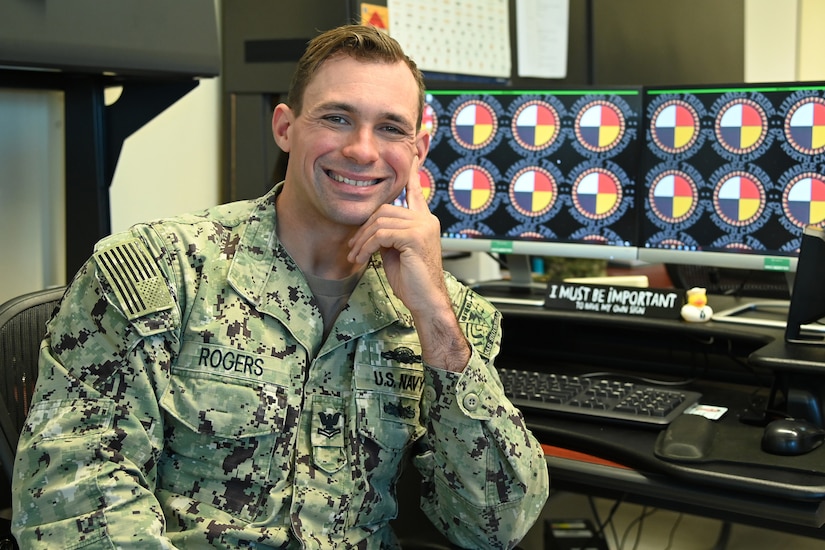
x: 572, y: 534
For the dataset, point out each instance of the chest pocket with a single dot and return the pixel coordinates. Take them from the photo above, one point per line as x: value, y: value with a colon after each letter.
x: 224, y: 436
x: 389, y: 380
x: 388, y: 416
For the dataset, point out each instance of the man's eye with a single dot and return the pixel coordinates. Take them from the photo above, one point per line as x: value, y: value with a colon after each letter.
x: 394, y: 130
x: 335, y: 119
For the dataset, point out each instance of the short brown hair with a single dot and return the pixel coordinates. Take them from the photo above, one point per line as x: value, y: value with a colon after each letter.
x: 362, y: 42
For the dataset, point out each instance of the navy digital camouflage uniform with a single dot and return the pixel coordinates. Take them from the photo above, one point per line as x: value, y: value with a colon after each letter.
x: 186, y: 399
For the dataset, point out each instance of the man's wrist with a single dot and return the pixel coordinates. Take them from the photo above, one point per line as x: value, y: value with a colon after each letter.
x: 443, y: 345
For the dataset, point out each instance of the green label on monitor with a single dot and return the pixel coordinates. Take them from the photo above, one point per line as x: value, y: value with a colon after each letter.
x: 504, y: 247
x: 777, y: 264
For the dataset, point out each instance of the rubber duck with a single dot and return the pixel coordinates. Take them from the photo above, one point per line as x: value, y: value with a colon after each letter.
x: 697, y: 310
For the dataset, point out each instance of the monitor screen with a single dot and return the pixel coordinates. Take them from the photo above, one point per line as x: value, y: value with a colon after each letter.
x: 534, y: 172
x: 730, y: 176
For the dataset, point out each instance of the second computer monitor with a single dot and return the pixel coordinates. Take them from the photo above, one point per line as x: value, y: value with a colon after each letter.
x: 537, y: 172
x: 731, y: 175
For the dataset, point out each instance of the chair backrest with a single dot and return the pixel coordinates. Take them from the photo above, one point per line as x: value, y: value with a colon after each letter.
x: 22, y: 327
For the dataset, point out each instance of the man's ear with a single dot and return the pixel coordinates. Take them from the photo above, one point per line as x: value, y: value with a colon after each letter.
x: 282, y: 120
x: 422, y: 145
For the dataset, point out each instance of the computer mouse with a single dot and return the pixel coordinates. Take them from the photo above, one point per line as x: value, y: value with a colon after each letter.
x: 789, y: 436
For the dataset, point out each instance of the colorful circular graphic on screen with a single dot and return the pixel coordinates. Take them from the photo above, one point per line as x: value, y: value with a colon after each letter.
x: 803, y: 200
x: 533, y: 191
x: 739, y: 198
x: 805, y: 126
x: 427, y: 182
x: 595, y: 239
x: 474, y: 124
x: 429, y: 120
x: 673, y: 243
x: 675, y: 126
x: 536, y: 125
x: 673, y: 196
x: 463, y: 233
x: 741, y: 126
x: 597, y: 193
x: 729, y: 244
x: 672, y: 240
x: 472, y: 189
x: 600, y: 125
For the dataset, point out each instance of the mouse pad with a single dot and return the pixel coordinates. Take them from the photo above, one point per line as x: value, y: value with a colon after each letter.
x: 694, y: 439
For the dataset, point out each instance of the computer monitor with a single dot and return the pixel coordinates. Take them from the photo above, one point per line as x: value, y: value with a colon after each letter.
x: 128, y: 37
x: 807, y: 305
x: 730, y: 175
x: 535, y: 172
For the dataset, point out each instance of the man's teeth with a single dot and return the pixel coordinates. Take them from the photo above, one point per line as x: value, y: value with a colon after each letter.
x: 356, y: 183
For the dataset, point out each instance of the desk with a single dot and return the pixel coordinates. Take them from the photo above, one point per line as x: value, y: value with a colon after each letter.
x: 736, y: 366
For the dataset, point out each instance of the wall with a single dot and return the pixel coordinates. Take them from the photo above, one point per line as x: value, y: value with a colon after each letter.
x: 784, y: 40
x: 31, y: 191
x: 668, y: 42
x: 169, y: 166
x: 172, y: 164
x: 811, y: 43
x: 769, y: 59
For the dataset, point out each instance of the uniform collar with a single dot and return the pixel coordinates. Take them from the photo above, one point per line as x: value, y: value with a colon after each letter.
x: 268, y: 278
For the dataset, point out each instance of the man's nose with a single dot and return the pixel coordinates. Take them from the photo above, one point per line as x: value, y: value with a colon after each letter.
x: 361, y: 146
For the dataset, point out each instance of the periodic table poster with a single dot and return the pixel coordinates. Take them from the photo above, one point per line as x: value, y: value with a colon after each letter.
x: 466, y: 37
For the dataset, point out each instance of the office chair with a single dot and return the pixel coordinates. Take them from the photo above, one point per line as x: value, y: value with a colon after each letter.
x: 22, y: 327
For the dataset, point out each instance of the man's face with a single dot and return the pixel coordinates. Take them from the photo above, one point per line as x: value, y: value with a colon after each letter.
x: 351, y: 148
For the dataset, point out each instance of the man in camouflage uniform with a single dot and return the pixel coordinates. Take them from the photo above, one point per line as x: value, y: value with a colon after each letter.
x: 256, y: 375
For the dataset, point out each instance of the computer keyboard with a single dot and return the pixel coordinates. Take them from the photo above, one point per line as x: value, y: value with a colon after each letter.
x: 606, y: 396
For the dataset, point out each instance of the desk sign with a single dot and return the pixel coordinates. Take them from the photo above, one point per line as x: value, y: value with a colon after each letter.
x: 615, y: 300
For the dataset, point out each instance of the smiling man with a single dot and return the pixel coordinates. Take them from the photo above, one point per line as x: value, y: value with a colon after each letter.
x: 258, y: 374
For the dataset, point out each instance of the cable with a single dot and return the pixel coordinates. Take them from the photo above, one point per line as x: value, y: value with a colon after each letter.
x: 496, y: 258
x: 672, y: 534
x: 643, y: 379
x: 638, y: 521
x: 724, y: 537
x: 601, y: 525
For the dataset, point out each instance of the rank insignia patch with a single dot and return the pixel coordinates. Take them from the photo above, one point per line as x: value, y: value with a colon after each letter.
x: 331, y: 424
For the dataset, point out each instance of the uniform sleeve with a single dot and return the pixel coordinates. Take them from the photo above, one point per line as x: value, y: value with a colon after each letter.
x: 85, y: 467
x: 485, y: 475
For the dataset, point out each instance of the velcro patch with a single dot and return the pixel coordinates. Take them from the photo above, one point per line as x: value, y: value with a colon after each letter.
x: 479, y: 321
x: 135, y: 279
x: 408, y: 382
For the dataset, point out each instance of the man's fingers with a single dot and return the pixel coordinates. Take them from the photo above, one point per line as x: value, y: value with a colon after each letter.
x: 415, y: 196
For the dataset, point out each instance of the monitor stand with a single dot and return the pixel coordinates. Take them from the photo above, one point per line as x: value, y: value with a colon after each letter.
x: 763, y: 313
x: 519, y: 289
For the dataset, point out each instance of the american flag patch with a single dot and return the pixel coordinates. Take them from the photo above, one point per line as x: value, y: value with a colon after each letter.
x: 135, y: 279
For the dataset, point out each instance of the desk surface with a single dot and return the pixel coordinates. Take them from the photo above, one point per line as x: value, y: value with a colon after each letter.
x: 579, y: 474
x: 782, y: 492
x: 780, y: 356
